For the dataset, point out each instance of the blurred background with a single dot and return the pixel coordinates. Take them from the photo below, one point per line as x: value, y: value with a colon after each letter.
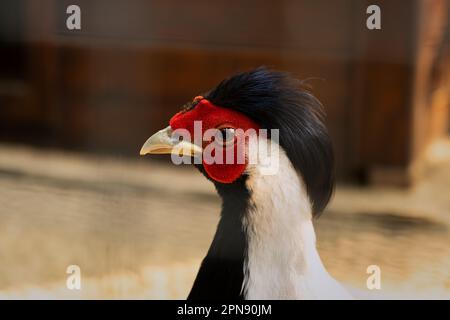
x: 76, y: 106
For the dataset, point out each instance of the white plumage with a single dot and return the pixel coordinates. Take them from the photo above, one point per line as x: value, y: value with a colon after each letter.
x: 282, y: 259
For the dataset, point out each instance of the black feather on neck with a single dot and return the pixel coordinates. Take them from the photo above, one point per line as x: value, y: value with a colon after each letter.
x: 221, y: 273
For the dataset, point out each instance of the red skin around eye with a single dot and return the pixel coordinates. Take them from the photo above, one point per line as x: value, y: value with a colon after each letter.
x: 213, y: 116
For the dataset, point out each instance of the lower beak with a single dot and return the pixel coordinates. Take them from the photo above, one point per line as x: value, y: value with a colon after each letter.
x: 162, y: 142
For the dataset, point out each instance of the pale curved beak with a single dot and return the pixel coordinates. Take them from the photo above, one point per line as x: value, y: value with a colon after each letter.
x: 162, y: 142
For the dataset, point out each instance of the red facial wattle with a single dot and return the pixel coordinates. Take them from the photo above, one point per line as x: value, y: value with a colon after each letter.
x: 212, y: 116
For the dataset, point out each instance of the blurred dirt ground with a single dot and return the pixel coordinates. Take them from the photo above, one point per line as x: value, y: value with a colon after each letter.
x: 139, y: 228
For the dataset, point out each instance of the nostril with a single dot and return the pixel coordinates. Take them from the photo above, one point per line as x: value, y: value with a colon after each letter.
x: 176, y: 138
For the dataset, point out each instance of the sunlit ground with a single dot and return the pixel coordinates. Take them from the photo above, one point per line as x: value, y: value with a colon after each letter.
x: 139, y: 228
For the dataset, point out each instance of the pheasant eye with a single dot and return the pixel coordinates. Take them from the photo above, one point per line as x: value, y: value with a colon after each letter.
x: 226, y: 136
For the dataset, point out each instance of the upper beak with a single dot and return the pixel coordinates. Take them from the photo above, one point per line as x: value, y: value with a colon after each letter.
x: 162, y: 142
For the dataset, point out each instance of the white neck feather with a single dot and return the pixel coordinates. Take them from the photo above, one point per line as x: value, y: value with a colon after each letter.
x: 282, y: 260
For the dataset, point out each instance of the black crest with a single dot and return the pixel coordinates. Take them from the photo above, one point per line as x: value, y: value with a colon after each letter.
x: 276, y: 101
